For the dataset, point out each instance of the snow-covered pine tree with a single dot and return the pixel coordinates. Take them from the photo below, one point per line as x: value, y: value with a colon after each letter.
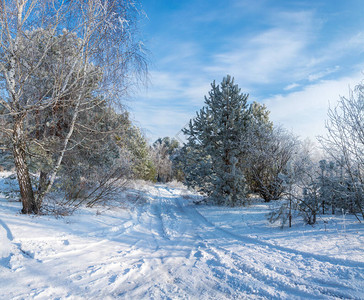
x: 215, y: 139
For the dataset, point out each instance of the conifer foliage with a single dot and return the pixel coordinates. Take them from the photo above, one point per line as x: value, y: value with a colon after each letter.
x: 215, y: 144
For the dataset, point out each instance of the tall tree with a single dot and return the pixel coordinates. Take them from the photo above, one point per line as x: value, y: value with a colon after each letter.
x: 141, y: 154
x: 215, y: 139
x: 105, y: 44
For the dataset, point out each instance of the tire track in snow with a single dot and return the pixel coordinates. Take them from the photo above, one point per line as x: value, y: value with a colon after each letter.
x: 181, y: 236
x: 288, y: 260
x: 202, y: 249
x: 139, y: 279
x: 299, y: 286
x: 296, y: 286
x: 245, y: 276
x: 250, y: 240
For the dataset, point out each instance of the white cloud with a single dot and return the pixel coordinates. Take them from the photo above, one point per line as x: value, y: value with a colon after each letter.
x: 291, y: 86
x: 319, y: 75
x: 182, y: 88
x: 158, y: 121
x: 304, y: 112
x: 262, y: 58
x: 276, y: 54
x: 337, y: 50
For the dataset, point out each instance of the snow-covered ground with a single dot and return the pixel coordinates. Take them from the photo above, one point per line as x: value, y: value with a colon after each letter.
x: 168, y: 248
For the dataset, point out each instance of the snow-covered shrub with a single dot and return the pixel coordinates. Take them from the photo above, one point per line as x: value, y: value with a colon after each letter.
x: 270, y: 152
x: 300, y: 188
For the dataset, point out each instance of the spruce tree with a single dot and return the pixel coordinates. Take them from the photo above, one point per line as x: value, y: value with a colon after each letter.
x: 216, y: 144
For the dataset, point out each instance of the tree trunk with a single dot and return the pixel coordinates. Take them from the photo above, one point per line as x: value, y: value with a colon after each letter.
x: 290, y: 213
x: 42, y: 187
x: 22, y: 171
x: 323, y: 207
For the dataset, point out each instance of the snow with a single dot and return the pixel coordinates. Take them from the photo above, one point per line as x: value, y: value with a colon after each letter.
x: 166, y: 247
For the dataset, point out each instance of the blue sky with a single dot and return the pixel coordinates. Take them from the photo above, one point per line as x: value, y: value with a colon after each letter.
x: 294, y: 56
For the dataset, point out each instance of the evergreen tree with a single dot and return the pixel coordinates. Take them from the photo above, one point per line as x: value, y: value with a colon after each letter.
x: 142, y: 158
x: 215, y: 139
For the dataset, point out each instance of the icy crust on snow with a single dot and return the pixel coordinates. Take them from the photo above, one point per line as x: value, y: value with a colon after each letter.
x: 159, y: 245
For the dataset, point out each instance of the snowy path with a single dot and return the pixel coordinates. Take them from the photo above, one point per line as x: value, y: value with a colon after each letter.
x: 242, y: 266
x: 164, y: 250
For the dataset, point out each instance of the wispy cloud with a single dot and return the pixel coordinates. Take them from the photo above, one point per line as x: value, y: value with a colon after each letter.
x: 291, y: 86
x: 260, y: 59
x: 319, y: 75
x: 274, y: 54
x: 304, y: 112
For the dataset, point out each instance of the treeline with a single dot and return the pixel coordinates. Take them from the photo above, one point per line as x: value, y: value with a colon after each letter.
x: 233, y: 152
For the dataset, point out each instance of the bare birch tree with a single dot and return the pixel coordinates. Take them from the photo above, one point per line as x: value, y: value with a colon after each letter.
x: 344, y: 143
x: 103, y: 46
x: 269, y: 156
